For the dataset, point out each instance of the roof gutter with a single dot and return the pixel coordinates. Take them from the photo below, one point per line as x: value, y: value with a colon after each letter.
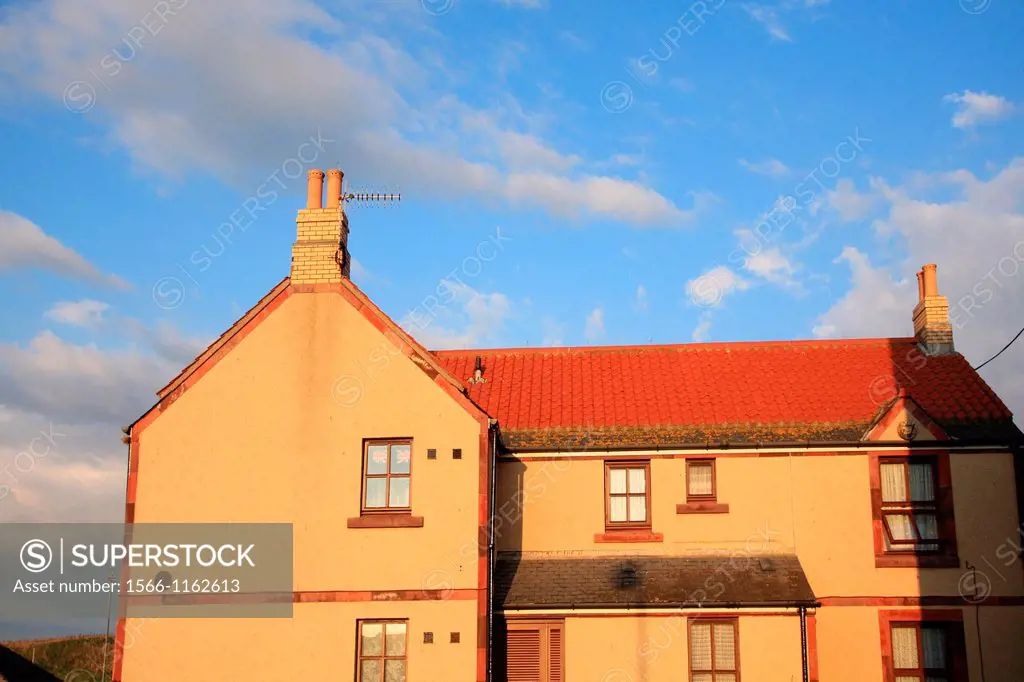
x: 785, y: 603
x: 784, y: 445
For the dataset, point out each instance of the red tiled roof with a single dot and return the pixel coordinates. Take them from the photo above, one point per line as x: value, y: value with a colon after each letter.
x: 701, y: 392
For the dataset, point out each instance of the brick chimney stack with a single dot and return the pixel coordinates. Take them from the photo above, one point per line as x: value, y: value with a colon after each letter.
x: 931, y: 314
x: 320, y: 253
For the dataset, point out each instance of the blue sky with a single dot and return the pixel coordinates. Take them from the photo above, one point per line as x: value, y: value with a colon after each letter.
x: 666, y: 172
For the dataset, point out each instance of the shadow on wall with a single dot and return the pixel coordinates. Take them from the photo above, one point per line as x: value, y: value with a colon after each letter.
x: 15, y: 668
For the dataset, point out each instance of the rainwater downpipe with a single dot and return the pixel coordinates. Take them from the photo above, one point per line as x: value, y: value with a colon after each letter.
x: 803, y: 642
x: 493, y: 455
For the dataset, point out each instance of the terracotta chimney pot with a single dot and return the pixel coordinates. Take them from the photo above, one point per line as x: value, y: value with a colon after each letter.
x: 931, y: 285
x: 334, y: 177
x: 315, y: 189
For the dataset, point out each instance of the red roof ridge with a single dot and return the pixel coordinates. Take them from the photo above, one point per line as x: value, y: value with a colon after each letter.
x: 714, y: 345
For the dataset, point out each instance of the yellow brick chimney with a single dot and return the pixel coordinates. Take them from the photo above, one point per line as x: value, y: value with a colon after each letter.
x: 320, y: 253
x: 931, y: 314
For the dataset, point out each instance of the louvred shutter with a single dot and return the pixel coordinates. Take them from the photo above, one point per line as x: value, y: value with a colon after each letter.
x: 523, y: 655
x: 555, y: 655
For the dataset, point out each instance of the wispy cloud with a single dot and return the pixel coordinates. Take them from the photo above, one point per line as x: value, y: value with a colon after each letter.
x: 769, y: 18
x: 84, y: 313
x: 593, y: 330
x: 976, y: 108
x: 771, y: 167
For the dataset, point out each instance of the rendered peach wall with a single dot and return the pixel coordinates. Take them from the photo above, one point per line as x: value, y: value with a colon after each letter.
x: 839, y: 626
x: 817, y: 506
x: 261, y: 438
x: 318, y: 643
x: 655, y: 649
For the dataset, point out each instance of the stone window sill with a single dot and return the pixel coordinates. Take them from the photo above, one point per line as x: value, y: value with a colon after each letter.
x: 629, y: 536
x: 916, y: 561
x: 386, y: 521
x: 702, y: 508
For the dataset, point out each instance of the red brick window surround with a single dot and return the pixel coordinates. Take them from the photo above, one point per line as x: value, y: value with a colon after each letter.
x: 627, y: 503
x: 923, y: 646
x: 912, y: 510
x: 386, y: 490
x: 382, y: 647
x: 702, y: 488
x: 714, y: 650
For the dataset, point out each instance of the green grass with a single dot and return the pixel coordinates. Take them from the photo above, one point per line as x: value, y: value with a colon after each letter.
x: 66, y: 655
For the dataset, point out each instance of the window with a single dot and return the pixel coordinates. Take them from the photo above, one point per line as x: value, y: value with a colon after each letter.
x: 387, y: 469
x: 912, y: 506
x: 714, y: 654
x: 382, y: 651
x: 921, y: 653
x: 923, y: 645
x: 627, y: 504
x: 700, y: 480
x: 909, y: 510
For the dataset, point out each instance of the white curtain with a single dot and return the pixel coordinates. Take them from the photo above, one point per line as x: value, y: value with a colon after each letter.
x: 700, y: 479
x: 904, y: 648
x: 894, y: 483
x: 922, y: 483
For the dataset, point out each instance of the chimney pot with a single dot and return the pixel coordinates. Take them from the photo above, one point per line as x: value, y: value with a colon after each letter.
x: 334, y: 177
x: 920, y: 285
x: 931, y: 284
x: 315, y: 189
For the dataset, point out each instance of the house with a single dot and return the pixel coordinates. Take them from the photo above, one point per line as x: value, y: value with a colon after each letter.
x: 840, y: 510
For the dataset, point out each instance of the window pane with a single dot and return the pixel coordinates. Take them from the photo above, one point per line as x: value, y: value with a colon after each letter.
x: 894, y: 482
x: 376, y: 488
x: 637, y: 480
x: 637, y: 508
x: 904, y: 648
x: 394, y: 671
x: 908, y: 678
x: 700, y: 647
x: 401, y: 455
x: 700, y: 479
x: 399, y: 492
x: 617, y: 509
x: 922, y: 484
x: 933, y: 641
x: 369, y: 670
x: 702, y: 677
x: 725, y: 677
x: 395, y: 645
x: 927, y: 526
x: 617, y: 481
x: 725, y: 647
x: 899, y: 526
x: 372, y: 639
x: 377, y: 459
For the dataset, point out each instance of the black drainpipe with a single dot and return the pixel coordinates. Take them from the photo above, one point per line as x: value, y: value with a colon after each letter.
x: 803, y: 642
x: 491, y: 554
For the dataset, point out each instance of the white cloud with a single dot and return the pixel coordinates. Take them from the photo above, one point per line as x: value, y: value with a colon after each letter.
x: 641, y: 298
x: 850, y: 204
x: 397, y: 131
x: 767, y: 17
x: 711, y: 287
x: 594, y: 330
x: 23, y: 244
x: 469, y: 319
x: 573, y: 40
x: 771, y: 167
x: 975, y: 108
x: 702, y: 332
x: 84, y: 313
x: 771, y: 265
x: 977, y: 240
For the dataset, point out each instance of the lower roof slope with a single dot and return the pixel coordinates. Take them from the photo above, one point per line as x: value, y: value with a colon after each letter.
x: 791, y: 391
x: 542, y: 580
